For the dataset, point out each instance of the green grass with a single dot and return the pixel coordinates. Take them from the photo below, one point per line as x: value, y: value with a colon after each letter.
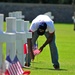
x: 65, y: 40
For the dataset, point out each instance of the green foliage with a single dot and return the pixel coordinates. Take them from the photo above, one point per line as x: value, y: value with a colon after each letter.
x: 40, y: 1
x: 65, y: 1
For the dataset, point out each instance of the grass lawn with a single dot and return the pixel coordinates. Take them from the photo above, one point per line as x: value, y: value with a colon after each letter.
x: 65, y: 40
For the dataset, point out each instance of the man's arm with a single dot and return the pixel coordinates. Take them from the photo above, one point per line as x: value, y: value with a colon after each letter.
x: 30, y: 46
x: 49, y: 39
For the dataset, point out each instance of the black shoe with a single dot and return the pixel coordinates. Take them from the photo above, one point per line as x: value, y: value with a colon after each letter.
x: 56, y: 67
x: 26, y: 65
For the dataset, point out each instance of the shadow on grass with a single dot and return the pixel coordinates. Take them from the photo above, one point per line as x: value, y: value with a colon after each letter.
x: 41, y: 68
x: 37, y: 68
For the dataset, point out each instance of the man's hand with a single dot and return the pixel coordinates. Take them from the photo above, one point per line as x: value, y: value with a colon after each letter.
x: 41, y: 48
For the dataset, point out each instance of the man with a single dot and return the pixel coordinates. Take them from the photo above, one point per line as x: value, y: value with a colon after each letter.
x: 43, y: 25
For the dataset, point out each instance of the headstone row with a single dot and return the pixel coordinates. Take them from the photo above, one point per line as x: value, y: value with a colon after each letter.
x: 17, y: 14
x: 15, y: 37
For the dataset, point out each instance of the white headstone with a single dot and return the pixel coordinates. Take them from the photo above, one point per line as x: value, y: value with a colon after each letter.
x: 19, y: 25
x: 1, y: 22
x: 1, y: 31
x: 26, y: 26
x: 20, y: 40
x: 11, y: 28
x: 11, y: 24
x: 17, y: 14
x: 49, y: 14
x: 10, y: 14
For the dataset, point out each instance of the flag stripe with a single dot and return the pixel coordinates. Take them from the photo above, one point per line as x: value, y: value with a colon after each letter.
x: 13, y: 67
x: 15, y: 70
x: 10, y: 70
x: 18, y: 71
x: 17, y: 65
x: 20, y: 68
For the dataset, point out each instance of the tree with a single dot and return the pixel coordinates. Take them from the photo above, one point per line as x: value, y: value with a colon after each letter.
x: 40, y: 1
x: 65, y: 1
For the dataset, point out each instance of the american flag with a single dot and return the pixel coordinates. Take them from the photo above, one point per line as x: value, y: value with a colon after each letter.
x: 9, y: 67
x: 13, y: 67
x: 17, y: 66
